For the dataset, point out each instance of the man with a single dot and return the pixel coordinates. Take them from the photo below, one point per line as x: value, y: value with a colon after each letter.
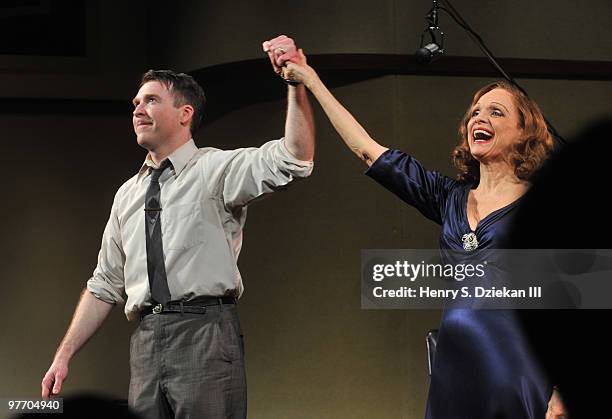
x: 171, y: 243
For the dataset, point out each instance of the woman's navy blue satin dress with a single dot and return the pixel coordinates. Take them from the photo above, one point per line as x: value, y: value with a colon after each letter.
x: 484, y: 366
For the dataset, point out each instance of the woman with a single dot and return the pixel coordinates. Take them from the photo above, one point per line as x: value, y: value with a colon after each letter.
x: 484, y: 367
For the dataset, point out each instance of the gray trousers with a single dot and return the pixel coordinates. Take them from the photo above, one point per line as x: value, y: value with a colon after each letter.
x: 188, y: 365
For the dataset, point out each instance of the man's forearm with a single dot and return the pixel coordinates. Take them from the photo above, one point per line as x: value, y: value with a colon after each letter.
x: 299, y: 127
x: 89, y: 314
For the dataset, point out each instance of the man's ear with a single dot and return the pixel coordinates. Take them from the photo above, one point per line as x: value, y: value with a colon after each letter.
x: 186, y: 114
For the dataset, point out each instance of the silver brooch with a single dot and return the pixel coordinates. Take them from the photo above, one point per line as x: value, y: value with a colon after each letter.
x: 470, y: 241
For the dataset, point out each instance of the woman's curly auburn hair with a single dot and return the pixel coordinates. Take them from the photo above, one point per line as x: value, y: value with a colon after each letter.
x: 529, y: 152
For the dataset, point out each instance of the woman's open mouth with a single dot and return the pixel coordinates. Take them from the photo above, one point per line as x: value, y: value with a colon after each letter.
x: 482, y: 136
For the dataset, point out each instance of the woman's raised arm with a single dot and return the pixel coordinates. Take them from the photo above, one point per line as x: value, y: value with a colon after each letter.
x: 354, y: 135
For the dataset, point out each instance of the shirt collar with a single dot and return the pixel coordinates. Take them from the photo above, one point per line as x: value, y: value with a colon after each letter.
x: 179, y: 159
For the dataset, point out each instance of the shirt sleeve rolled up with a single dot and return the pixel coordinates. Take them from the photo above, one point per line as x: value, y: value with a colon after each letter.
x: 107, y: 282
x: 254, y: 172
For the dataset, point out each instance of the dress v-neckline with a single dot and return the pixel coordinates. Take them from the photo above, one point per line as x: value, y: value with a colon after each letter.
x: 480, y: 222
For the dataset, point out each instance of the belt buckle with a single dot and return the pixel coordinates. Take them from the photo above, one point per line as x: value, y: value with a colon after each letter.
x: 158, y: 309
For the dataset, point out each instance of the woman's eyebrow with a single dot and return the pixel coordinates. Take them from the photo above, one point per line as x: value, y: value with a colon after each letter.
x: 501, y: 106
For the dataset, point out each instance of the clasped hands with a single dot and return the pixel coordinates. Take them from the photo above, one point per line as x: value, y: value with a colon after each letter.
x: 287, y: 61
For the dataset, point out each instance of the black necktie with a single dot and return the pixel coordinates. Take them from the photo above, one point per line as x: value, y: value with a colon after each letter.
x: 155, y: 251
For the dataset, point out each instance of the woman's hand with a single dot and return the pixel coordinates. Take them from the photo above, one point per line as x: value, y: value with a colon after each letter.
x: 556, y: 408
x: 298, y: 70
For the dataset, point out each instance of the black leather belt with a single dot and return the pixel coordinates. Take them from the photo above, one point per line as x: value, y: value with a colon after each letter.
x: 195, y: 306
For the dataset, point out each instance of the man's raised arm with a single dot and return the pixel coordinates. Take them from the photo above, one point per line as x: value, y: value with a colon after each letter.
x: 299, y: 126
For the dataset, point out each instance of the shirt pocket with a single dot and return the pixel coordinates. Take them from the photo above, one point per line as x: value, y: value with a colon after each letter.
x: 184, y: 226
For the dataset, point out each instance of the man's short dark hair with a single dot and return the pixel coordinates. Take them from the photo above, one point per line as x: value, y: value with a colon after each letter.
x: 184, y: 88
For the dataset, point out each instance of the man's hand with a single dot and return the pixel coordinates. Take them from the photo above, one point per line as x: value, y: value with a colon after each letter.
x: 288, y: 62
x: 556, y: 408
x: 53, y: 379
x: 87, y: 318
x: 280, y: 50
